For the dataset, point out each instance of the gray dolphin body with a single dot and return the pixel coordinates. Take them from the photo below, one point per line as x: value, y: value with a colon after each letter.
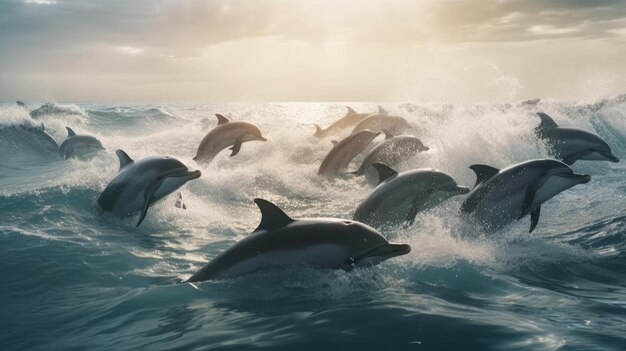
x: 139, y: 184
x: 400, y: 196
x: 501, y: 197
x: 317, y: 242
x: 392, y: 151
x: 50, y: 108
x: 79, y: 146
x: 572, y: 144
x: 344, y: 151
x: 39, y: 134
x: 394, y: 125
x: 226, y: 134
x: 350, y: 119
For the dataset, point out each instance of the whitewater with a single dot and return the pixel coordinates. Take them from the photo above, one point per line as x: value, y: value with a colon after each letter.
x: 74, y: 278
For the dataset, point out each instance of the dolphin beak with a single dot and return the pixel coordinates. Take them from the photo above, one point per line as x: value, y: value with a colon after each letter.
x: 462, y: 190
x: 582, y: 178
x: 390, y: 250
x: 425, y: 148
x: 194, y: 175
x: 609, y: 156
x: 262, y: 139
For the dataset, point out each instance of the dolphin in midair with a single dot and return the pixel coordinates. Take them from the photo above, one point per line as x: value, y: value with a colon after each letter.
x: 79, y: 146
x: 226, y: 134
x: 351, y: 118
x: 391, y: 151
x: 139, y: 184
x: 383, y: 122
x: 501, y: 197
x: 572, y: 144
x: 317, y: 242
x: 400, y: 196
x: 339, y: 157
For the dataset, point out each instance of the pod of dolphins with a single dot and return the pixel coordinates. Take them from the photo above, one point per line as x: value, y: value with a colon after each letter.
x: 499, y: 197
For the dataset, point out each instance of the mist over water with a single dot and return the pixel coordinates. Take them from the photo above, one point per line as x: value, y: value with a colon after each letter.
x: 75, y: 278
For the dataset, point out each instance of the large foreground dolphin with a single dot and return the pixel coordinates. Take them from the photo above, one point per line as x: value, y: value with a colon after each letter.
x: 572, y: 144
x: 351, y: 118
x: 79, y: 146
x: 399, y: 197
x: 317, y: 242
x: 339, y: 157
x: 503, y: 196
x: 382, y: 122
x: 392, y: 151
x: 139, y: 184
x: 226, y: 134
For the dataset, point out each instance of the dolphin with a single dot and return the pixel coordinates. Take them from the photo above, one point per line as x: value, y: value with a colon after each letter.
x: 383, y: 122
x: 572, y: 144
x: 317, y: 242
x: 139, y: 184
x: 21, y: 104
x: 39, y: 133
x: 344, y: 151
x: 400, y: 196
x: 79, y: 146
x: 500, y: 197
x: 226, y: 134
x: 50, y: 108
x: 351, y: 118
x: 392, y: 151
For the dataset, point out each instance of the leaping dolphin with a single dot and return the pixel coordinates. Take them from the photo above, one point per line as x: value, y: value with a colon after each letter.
x: 351, y: 118
x: 383, y: 122
x: 226, y: 134
x: 79, y: 146
x: 392, y: 151
x: 317, y: 242
x: 503, y: 196
x: 400, y: 196
x: 572, y: 144
x: 139, y: 184
x: 339, y: 157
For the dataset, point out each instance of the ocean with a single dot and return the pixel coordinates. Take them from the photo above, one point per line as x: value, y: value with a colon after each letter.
x: 74, y: 278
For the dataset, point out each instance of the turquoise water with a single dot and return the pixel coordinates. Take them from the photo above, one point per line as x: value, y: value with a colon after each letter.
x: 74, y: 278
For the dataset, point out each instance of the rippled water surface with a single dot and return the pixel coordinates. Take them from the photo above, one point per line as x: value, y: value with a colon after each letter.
x: 74, y: 278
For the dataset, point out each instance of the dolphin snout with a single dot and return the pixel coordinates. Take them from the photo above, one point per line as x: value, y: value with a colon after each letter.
x: 195, y: 174
x: 584, y: 178
x: 262, y: 139
x: 612, y: 158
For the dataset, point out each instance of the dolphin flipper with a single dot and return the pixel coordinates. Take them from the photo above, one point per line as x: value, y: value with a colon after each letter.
x: 237, y: 146
x: 529, y: 198
x: 147, y: 196
x: 179, y: 202
x: 534, y: 218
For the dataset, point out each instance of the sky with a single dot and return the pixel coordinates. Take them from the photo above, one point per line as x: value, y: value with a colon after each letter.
x: 311, y: 50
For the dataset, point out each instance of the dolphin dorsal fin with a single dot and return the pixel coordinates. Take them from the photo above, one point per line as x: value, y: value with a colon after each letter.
x: 384, y: 172
x: 546, y: 121
x: 125, y: 160
x: 318, y: 131
x: 70, y: 132
x: 388, y: 134
x: 351, y: 111
x: 43, y: 127
x: 221, y: 119
x: 272, y: 217
x: 381, y: 110
x: 335, y: 142
x: 483, y: 173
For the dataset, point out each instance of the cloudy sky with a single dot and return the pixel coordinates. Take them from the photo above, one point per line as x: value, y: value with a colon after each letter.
x: 311, y: 50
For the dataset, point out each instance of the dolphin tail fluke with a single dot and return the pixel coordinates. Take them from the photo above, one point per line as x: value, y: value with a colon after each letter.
x: 534, y: 218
